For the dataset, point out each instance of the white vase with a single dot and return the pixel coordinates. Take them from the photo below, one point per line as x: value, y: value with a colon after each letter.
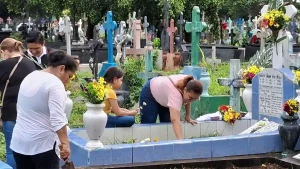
x: 68, y: 105
x: 94, y: 120
x: 298, y: 98
x: 247, y: 98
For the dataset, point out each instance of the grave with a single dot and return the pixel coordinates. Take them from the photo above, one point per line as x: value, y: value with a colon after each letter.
x: 270, y: 89
x: 109, y: 26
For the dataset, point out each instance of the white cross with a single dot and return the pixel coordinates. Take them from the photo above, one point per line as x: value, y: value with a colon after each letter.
x: 279, y: 51
x: 255, y: 22
x: 214, y: 61
x: 29, y: 22
x: 262, y: 35
x: 67, y: 31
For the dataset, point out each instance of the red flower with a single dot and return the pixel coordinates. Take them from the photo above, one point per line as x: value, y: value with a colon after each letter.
x: 224, y: 25
x: 287, y: 108
x: 223, y: 108
x: 250, y: 75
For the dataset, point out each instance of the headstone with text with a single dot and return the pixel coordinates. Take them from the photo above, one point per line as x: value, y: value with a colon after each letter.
x: 270, y: 89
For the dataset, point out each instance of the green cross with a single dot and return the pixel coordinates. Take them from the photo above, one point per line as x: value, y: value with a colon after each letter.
x: 196, y: 27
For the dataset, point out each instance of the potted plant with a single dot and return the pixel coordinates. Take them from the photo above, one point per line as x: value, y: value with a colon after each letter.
x: 95, y: 118
x: 289, y: 131
x: 247, y: 75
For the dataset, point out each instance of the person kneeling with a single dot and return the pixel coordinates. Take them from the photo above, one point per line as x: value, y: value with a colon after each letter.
x: 123, y: 117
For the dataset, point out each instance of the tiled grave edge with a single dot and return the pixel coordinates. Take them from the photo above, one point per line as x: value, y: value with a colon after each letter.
x: 212, y: 147
x: 3, y: 165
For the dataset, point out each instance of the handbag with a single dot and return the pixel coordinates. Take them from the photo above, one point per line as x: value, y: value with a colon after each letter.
x: 68, y: 165
x: 5, y: 88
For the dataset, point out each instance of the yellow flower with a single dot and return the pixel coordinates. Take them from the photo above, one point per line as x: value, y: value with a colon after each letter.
x: 155, y: 139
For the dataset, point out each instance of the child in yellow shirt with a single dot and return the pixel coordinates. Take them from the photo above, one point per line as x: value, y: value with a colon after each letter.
x: 123, y: 117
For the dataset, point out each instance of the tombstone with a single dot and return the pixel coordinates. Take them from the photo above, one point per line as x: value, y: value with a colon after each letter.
x: 96, y: 32
x: 181, y: 22
x: 270, y: 89
x: 230, y: 29
x: 8, y: 20
x: 164, y: 35
x: 67, y: 32
x: 109, y: 26
x: 195, y: 27
x: 148, y: 57
x: 234, y: 84
x: 6, y: 28
x: 255, y: 22
x: 1, y: 20
x: 214, y: 61
x: 136, y: 50
x: 171, y: 56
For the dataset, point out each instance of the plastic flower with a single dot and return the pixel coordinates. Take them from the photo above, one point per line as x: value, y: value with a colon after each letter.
x: 229, y: 115
x: 96, y: 91
x: 297, y: 76
x: 155, y: 139
x: 291, y: 107
x: 249, y: 73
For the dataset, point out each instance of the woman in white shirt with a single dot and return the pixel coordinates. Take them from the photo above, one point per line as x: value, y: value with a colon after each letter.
x: 40, y: 134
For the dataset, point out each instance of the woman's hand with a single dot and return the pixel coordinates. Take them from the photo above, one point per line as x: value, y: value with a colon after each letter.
x: 134, y: 112
x: 189, y: 120
x: 65, y: 151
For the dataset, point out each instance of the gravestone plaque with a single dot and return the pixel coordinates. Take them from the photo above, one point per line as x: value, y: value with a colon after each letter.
x: 270, y: 89
x: 270, y: 92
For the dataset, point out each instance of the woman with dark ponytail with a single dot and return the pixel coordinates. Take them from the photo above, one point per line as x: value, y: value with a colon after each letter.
x: 165, y: 95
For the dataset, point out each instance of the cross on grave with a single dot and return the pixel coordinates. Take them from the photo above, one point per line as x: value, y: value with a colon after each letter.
x: 136, y: 50
x: 240, y: 24
x: 262, y: 35
x: 213, y: 60
x: 1, y: 20
x: 231, y: 34
x: 255, y: 21
x: 29, y: 24
x: 145, y: 26
x: 129, y: 21
x: 181, y: 22
x: 171, y: 30
x: 196, y: 27
x: 164, y: 35
x: 110, y: 27
x: 234, y: 83
x: 67, y: 31
x: 8, y: 20
x: 221, y: 32
x: 148, y: 56
x: 279, y: 51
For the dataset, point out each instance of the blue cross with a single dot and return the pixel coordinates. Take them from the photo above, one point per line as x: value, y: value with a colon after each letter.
x: 109, y: 26
x: 240, y: 23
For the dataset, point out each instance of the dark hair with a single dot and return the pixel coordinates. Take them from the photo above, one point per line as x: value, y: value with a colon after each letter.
x: 190, y: 84
x: 111, y: 73
x: 58, y: 58
x: 35, y: 37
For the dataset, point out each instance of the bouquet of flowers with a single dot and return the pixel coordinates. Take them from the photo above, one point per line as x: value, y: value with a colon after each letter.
x: 248, y: 74
x: 275, y: 20
x: 291, y: 107
x: 95, y: 91
x: 228, y: 114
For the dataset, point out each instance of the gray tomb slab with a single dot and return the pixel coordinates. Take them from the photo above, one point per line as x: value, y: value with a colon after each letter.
x: 270, y: 89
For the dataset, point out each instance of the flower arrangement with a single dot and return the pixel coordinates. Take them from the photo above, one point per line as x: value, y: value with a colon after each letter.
x: 291, y: 107
x: 275, y: 20
x: 229, y: 115
x: 95, y: 91
x: 297, y: 76
x: 248, y: 74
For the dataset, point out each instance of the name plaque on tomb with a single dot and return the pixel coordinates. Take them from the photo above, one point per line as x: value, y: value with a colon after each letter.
x: 270, y: 92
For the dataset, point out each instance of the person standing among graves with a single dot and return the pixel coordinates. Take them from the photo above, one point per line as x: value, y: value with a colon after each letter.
x: 40, y: 134
x: 13, y: 69
x: 164, y: 96
x: 123, y: 117
x: 37, y: 49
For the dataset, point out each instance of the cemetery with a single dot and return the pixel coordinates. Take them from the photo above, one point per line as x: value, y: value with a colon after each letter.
x: 248, y: 62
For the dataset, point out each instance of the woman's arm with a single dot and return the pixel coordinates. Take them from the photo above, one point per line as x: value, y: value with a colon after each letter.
x: 188, y: 110
x: 120, y: 111
x: 175, y: 119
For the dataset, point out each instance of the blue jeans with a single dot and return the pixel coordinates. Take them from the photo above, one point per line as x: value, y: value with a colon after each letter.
x: 152, y: 109
x: 119, y: 121
x: 8, y: 127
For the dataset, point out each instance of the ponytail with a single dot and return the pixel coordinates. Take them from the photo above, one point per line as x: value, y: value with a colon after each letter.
x: 181, y: 84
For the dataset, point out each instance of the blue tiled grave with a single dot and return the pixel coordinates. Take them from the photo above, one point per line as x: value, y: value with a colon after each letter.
x: 3, y: 165
x: 270, y: 89
x: 167, y: 147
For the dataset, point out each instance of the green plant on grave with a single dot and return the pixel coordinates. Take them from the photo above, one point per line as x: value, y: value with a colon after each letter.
x: 155, y: 57
x: 132, y: 68
x: 156, y: 43
x: 214, y: 134
x: 263, y: 58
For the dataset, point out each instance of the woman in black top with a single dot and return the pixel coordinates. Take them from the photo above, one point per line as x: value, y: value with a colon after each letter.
x: 11, y: 52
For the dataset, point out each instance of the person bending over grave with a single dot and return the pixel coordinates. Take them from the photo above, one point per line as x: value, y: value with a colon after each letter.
x: 13, y: 69
x: 37, y: 49
x: 164, y: 96
x: 122, y: 117
x: 40, y: 134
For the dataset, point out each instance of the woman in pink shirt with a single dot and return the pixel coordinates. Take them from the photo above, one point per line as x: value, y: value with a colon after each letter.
x: 164, y: 96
